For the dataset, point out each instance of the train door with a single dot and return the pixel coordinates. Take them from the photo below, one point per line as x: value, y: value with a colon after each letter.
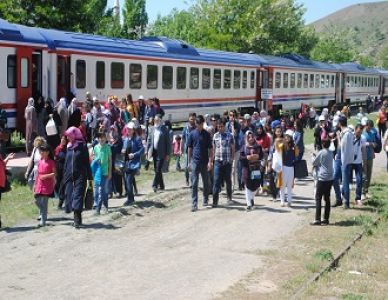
x: 63, y: 76
x: 338, y: 89
x: 24, y: 83
x: 36, y: 74
x: 259, y: 85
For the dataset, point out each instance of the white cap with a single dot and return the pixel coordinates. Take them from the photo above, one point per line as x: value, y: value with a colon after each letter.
x: 95, y: 98
x: 141, y: 97
x: 131, y: 125
x: 351, y: 127
x: 364, y: 120
x: 247, y: 117
x: 289, y: 132
x: 322, y: 118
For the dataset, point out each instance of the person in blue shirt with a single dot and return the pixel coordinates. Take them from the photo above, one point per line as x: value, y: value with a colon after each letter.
x: 370, y: 135
x: 200, y: 155
x: 184, y: 146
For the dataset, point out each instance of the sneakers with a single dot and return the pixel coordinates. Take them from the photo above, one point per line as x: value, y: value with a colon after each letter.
x: 359, y: 203
x: 249, y: 208
x: 194, y: 209
x: 230, y: 201
x: 325, y: 222
x: 128, y: 203
x: 337, y: 204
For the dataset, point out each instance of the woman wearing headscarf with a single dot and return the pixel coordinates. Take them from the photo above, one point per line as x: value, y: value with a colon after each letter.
x: 131, y: 107
x: 60, y: 157
x: 76, y: 173
x: 74, y: 114
x: 63, y: 114
x: 116, y: 144
x: 49, y: 113
x: 31, y: 125
x: 251, y: 155
x: 39, y: 107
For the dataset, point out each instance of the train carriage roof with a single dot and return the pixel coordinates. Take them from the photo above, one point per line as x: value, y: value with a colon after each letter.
x: 352, y: 67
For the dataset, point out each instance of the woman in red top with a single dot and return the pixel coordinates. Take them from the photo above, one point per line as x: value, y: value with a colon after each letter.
x: 382, y: 121
x: 263, y: 139
x: 45, y: 182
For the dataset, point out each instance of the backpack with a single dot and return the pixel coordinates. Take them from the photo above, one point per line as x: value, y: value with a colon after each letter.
x: 379, y: 144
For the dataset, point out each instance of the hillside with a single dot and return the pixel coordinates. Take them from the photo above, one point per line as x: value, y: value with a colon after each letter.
x: 367, y: 24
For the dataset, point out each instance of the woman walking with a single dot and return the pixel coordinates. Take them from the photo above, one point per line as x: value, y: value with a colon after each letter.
x: 60, y: 157
x: 251, y: 155
x: 45, y: 181
x: 289, y: 152
x: 76, y: 173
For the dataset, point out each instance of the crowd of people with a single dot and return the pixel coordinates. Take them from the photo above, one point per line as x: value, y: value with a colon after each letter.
x: 105, y: 144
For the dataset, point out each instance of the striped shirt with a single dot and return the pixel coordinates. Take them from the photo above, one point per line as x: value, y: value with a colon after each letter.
x: 222, y: 144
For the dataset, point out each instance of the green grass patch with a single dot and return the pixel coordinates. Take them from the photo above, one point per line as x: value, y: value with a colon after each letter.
x: 352, y: 297
x: 319, y: 260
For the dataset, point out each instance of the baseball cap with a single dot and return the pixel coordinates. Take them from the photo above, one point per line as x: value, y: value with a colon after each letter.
x: 141, y: 97
x: 247, y: 117
x: 364, y: 120
x: 322, y: 118
x: 131, y: 125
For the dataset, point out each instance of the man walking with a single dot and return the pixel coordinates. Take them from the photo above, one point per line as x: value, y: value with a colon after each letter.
x: 223, y: 145
x: 359, y: 156
x: 200, y: 154
x: 159, y: 149
x: 233, y: 127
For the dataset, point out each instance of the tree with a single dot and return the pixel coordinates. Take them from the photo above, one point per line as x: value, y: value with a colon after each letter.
x: 135, y: 19
x: 75, y: 15
x: 262, y: 26
x: 383, y: 57
x: 333, y: 46
x: 109, y: 25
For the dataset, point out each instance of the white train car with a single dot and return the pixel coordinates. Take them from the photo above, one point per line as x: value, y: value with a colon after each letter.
x: 359, y: 83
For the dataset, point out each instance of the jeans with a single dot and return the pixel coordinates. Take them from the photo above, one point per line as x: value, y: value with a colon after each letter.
x: 346, y: 174
x: 158, y: 178
x: 196, y: 169
x: 101, y: 193
x: 42, y: 203
x: 129, y: 179
x: 337, y: 180
x: 358, y: 171
x: 323, y: 189
x: 234, y: 169
x: 368, y: 167
x: 178, y: 162
x: 222, y: 171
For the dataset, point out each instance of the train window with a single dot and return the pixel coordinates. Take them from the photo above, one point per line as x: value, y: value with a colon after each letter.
x: 311, y: 80
x: 365, y: 81
x: 359, y: 81
x: 11, y: 71
x: 167, y: 77
x: 252, y: 79
x: 245, y: 80
x: 317, y: 79
x: 194, y: 78
x: 80, y: 68
x: 237, y: 79
x: 332, y: 81
x: 368, y: 81
x: 117, y: 75
x: 285, y: 80
x: 24, y: 73
x: 100, y: 75
x: 292, y: 83
x: 278, y: 80
x: 135, y: 76
x: 327, y: 81
x: 352, y: 81
x: 206, y: 79
x: 152, y: 77
x: 305, y: 81
x: 299, y: 83
x: 322, y: 81
x: 227, y: 79
x: 181, y: 78
x: 217, y: 79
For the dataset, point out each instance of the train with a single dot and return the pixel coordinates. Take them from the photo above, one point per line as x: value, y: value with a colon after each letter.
x: 54, y: 64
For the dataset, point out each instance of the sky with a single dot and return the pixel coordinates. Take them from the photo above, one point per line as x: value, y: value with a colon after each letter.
x: 316, y: 9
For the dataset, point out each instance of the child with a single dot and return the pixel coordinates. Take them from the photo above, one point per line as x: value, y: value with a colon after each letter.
x: 324, y: 162
x: 177, y: 151
x: 103, y: 157
x: 45, y: 181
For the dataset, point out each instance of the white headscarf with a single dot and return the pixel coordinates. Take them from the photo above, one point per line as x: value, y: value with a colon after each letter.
x: 30, y: 102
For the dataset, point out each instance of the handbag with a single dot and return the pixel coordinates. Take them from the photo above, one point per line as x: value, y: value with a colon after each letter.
x: 89, y: 197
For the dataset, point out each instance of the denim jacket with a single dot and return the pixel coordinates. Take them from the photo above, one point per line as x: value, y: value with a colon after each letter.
x: 135, y: 146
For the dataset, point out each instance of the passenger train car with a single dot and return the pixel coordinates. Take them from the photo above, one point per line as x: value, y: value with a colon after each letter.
x: 54, y: 64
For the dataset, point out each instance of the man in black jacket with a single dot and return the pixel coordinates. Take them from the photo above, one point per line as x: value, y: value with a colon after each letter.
x: 159, y: 149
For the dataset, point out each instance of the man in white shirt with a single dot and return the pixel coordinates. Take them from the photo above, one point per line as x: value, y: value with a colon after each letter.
x: 359, y: 144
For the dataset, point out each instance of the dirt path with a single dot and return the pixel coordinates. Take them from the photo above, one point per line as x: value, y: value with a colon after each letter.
x: 160, y: 250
